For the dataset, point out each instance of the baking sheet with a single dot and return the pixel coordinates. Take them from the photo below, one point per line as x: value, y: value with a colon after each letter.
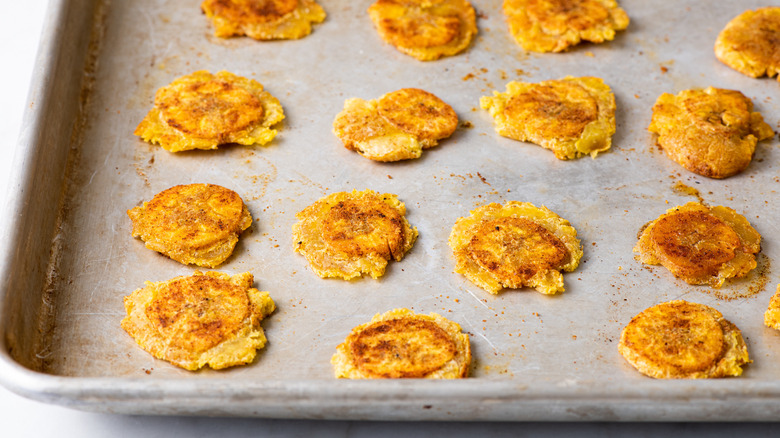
x: 535, y: 356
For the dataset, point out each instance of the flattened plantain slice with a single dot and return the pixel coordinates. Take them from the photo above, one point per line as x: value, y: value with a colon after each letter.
x: 346, y: 235
x: 203, y: 111
x: 699, y: 244
x: 682, y: 340
x: 712, y: 132
x: 556, y: 25
x: 772, y: 314
x: 425, y: 29
x: 749, y: 43
x: 205, y: 319
x: 570, y: 116
x: 263, y: 19
x: 418, y: 113
x: 402, y: 344
x: 516, y: 250
x: 513, y: 246
x: 361, y: 226
x: 397, y: 126
x: 193, y: 224
x: 695, y: 243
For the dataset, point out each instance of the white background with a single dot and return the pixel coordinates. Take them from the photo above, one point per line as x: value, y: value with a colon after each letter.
x: 20, y: 27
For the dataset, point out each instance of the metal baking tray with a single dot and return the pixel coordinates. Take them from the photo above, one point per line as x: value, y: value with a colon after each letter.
x: 69, y: 258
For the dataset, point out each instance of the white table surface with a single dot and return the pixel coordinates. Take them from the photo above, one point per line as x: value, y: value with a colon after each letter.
x: 20, y: 27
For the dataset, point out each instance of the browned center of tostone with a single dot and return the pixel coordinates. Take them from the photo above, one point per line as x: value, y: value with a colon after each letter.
x: 677, y: 337
x: 210, y: 108
x: 558, y: 15
x: 403, y: 347
x: 252, y: 11
x: 695, y: 242
x: 515, y: 249
x: 421, y: 30
x: 556, y: 110
x: 359, y: 229
x: 419, y: 113
x: 197, y: 313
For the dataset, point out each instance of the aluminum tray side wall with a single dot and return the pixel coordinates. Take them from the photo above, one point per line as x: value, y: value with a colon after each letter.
x: 39, y: 172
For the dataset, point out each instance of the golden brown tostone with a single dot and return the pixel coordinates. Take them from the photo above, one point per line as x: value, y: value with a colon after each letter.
x: 556, y: 25
x: 513, y: 246
x: 570, y: 116
x: 402, y: 344
x: 205, y: 319
x: 203, y: 111
x: 263, y: 19
x: 712, y: 132
x: 397, y: 126
x: 772, y: 314
x: 750, y: 43
x: 346, y: 235
x: 193, y: 224
x: 425, y: 29
x: 699, y: 244
x: 682, y: 340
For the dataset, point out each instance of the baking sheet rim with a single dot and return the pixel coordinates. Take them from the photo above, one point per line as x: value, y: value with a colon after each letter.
x: 644, y: 399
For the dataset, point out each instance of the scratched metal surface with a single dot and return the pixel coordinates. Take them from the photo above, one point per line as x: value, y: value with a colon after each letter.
x: 544, y: 357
